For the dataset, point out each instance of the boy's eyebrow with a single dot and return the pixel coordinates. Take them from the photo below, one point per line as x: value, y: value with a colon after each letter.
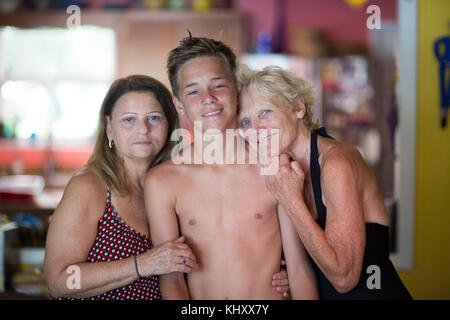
x: 134, y: 113
x: 190, y: 85
x: 195, y: 83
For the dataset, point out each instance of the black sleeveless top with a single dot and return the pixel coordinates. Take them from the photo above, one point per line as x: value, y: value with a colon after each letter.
x: 379, y: 279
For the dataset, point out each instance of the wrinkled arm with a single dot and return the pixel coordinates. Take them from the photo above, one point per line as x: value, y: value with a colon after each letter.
x: 339, y: 249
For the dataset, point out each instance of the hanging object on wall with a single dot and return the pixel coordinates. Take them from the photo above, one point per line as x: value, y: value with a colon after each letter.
x: 202, y: 5
x: 154, y: 4
x: 264, y: 44
x: 442, y: 52
x: 356, y: 3
x: 176, y: 4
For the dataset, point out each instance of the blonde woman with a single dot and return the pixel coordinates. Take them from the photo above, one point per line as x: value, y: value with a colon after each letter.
x: 328, y: 192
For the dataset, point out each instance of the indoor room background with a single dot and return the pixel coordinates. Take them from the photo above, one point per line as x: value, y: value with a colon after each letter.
x: 375, y: 68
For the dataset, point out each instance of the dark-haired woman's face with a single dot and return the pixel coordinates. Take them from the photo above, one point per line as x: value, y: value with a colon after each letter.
x: 137, y: 126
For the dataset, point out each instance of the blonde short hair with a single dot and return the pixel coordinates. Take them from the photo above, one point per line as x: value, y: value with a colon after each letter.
x: 272, y: 81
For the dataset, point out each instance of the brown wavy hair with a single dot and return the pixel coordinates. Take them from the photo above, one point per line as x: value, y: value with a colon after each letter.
x: 105, y: 160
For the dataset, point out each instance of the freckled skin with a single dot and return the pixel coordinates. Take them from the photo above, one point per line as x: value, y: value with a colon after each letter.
x: 349, y: 189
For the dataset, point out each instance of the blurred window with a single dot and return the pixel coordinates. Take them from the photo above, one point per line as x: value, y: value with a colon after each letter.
x: 53, y: 80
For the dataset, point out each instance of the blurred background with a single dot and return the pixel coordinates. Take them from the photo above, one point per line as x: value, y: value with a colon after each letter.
x: 376, y: 87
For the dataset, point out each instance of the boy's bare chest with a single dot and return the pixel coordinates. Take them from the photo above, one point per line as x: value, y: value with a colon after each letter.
x: 224, y: 201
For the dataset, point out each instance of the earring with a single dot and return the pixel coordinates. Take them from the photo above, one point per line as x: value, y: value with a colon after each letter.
x: 110, y: 143
x: 299, y: 114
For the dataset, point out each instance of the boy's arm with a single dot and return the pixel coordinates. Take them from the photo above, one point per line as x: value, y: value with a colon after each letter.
x: 160, y: 206
x: 302, y: 279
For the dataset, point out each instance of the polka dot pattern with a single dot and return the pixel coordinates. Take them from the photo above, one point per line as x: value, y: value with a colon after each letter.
x: 116, y: 240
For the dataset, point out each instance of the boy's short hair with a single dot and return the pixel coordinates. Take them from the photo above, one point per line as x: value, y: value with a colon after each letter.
x: 194, y: 47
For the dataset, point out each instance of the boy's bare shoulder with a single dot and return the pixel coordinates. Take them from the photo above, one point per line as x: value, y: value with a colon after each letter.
x: 167, y: 172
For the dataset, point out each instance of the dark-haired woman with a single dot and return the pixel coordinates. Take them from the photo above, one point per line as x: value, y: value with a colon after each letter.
x: 101, y: 217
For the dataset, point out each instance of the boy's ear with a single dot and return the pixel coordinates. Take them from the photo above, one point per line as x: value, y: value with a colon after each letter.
x: 178, y: 105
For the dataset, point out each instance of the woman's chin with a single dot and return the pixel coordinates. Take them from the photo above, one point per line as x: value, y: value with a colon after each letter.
x: 144, y: 156
x: 266, y: 151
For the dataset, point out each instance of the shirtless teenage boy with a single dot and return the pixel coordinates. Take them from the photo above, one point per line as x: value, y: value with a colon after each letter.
x: 224, y: 211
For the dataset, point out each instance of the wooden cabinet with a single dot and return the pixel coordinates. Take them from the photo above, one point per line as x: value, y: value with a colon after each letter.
x: 144, y: 38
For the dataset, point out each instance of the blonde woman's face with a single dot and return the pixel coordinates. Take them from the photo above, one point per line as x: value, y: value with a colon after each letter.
x: 137, y: 126
x: 256, y: 112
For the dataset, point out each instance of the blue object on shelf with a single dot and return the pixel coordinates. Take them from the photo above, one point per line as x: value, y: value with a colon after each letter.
x: 444, y: 82
x: 264, y: 44
x: 26, y: 220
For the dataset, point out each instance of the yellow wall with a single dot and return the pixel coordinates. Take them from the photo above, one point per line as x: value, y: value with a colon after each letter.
x: 430, y: 277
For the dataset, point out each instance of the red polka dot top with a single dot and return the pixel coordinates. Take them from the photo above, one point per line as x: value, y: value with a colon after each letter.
x: 116, y: 240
